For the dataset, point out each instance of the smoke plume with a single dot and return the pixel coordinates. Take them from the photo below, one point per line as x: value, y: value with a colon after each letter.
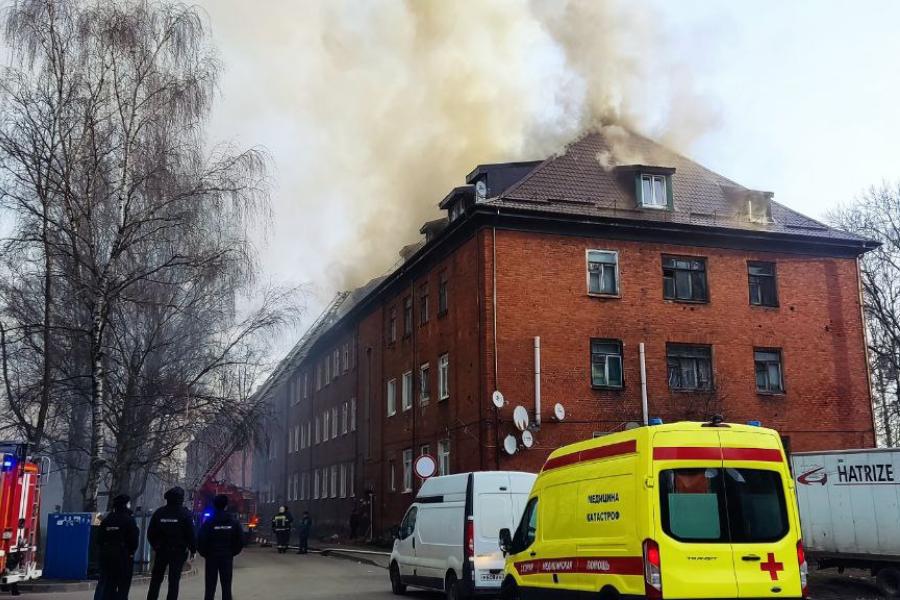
x: 375, y: 110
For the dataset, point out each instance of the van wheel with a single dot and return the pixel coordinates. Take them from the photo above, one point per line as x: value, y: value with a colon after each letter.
x: 452, y: 588
x: 888, y: 582
x: 509, y: 590
x: 397, y: 586
x: 609, y: 593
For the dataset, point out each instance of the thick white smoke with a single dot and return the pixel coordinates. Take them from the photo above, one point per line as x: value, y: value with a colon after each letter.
x: 375, y: 109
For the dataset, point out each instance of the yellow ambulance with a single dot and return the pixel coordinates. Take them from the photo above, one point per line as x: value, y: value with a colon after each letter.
x: 683, y: 510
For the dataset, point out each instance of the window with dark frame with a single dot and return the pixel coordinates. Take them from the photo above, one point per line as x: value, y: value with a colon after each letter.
x: 407, y: 315
x: 769, y: 373
x: 763, y: 288
x: 603, y: 272
x: 684, y: 278
x: 423, y: 304
x: 424, y: 384
x: 606, y: 364
x: 690, y: 367
x: 442, y: 294
x: 392, y: 326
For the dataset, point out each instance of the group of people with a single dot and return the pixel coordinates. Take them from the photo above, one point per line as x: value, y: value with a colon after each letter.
x: 171, y: 535
x: 283, y: 522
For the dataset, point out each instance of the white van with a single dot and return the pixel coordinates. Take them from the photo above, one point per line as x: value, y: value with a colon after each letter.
x: 448, y: 538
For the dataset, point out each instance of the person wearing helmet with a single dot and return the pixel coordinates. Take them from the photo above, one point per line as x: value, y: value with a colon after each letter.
x: 221, y: 538
x: 171, y: 535
x: 281, y: 526
x: 117, y: 541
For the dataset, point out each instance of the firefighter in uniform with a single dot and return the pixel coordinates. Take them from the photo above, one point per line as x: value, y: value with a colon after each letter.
x: 117, y: 541
x: 171, y: 535
x: 221, y: 539
x: 303, y: 531
x: 281, y: 526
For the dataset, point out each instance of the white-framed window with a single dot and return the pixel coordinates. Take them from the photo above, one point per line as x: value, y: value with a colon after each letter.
x: 351, y: 478
x: 318, y: 429
x: 444, y: 376
x: 296, y: 389
x: 391, y: 399
x: 318, y: 377
x: 424, y: 449
x: 407, y: 470
x: 306, y: 385
x: 603, y: 272
x: 352, y: 414
x: 303, y: 436
x: 345, y: 418
x: 336, y: 356
x: 334, y: 481
x: 392, y: 326
x: 443, y: 457
x: 335, y: 424
x: 327, y: 362
x: 343, y: 481
x: 407, y: 391
x: 273, y: 447
x: 424, y: 384
x: 297, y: 438
x: 325, y: 479
x: 290, y: 444
x: 393, y: 476
x: 326, y: 425
x: 317, y: 479
x: 653, y: 191
x: 345, y: 357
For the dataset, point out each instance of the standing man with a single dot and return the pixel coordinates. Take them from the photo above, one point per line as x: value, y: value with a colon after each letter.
x: 171, y: 535
x: 221, y: 539
x: 117, y: 541
x: 281, y: 526
x: 304, y: 529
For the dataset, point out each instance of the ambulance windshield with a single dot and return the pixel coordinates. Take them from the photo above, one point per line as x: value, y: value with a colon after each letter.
x: 723, y: 505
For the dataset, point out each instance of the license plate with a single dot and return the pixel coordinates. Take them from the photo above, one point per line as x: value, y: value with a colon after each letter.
x: 490, y: 576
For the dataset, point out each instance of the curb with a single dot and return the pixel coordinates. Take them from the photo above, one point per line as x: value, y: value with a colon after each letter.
x: 344, y: 554
x: 39, y: 587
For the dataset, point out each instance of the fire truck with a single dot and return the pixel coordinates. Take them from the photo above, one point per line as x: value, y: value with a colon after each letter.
x: 20, y: 509
x: 241, y: 502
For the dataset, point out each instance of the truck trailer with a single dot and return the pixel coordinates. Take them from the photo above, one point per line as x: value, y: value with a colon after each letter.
x: 849, y: 504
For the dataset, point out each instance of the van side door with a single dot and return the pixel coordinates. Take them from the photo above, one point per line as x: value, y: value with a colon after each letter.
x: 406, y: 544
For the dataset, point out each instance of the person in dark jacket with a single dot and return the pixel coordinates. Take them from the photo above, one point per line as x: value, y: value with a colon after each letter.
x: 304, y: 527
x: 221, y: 539
x: 171, y: 535
x: 117, y: 541
x: 281, y: 526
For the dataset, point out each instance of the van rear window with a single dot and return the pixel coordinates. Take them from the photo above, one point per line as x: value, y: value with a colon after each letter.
x: 723, y: 505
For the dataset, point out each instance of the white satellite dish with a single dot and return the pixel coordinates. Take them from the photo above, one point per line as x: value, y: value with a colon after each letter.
x: 520, y: 418
x: 497, y: 399
x: 631, y: 425
x: 510, y: 445
x: 559, y: 411
x: 527, y: 439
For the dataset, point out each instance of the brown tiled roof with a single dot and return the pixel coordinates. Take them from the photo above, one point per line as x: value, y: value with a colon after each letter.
x: 591, y: 178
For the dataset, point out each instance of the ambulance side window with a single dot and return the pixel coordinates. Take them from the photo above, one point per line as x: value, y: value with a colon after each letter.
x: 527, y: 530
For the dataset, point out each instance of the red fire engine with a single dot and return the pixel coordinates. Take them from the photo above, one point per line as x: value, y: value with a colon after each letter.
x: 20, y: 509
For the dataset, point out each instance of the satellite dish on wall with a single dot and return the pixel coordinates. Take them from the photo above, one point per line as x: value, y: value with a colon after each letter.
x: 632, y: 425
x: 527, y: 439
x: 520, y: 418
x: 559, y: 411
x: 510, y: 445
x: 498, y: 399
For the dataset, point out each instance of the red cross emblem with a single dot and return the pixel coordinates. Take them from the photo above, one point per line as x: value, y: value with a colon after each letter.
x: 772, y: 567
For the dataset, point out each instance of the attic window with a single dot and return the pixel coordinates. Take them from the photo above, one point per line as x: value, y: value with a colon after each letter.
x: 760, y: 210
x: 653, y: 191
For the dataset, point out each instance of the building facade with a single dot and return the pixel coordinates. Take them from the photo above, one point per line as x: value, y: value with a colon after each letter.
x: 543, y: 283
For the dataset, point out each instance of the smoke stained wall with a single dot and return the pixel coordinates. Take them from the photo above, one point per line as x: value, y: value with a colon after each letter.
x: 375, y: 109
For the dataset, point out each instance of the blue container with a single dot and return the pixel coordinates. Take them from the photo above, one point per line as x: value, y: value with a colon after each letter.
x: 68, y: 545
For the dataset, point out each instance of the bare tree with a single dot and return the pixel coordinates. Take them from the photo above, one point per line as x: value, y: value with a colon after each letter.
x: 131, y: 235
x: 876, y: 215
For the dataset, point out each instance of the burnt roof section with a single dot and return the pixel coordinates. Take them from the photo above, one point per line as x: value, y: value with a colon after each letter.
x: 594, y: 177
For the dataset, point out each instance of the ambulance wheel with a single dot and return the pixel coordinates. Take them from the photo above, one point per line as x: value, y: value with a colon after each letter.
x: 609, y: 593
x: 888, y: 582
x: 452, y: 588
x: 509, y: 590
x: 397, y: 586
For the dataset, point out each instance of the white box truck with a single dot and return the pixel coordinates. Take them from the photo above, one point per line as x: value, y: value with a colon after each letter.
x: 850, y: 511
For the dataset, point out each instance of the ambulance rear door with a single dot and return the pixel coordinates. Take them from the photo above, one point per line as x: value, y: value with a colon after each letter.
x: 696, y: 556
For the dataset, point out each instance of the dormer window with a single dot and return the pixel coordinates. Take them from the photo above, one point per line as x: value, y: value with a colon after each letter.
x: 654, y: 191
x: 759, y: 209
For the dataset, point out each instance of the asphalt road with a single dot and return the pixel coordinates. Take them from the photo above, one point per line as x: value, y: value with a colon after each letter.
x: 262, y: 574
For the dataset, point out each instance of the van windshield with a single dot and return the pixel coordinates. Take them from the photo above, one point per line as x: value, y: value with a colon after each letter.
x: 723, y: 505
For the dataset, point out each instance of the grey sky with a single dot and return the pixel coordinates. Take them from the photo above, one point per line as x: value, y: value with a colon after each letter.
x: 798, y: 98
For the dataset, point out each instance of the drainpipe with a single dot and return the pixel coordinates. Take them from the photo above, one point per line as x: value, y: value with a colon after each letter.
x: 537, y: 381
x: 644, y: 409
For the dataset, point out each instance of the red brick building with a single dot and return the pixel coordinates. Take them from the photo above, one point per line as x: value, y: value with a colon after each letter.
x: 744, y: 307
